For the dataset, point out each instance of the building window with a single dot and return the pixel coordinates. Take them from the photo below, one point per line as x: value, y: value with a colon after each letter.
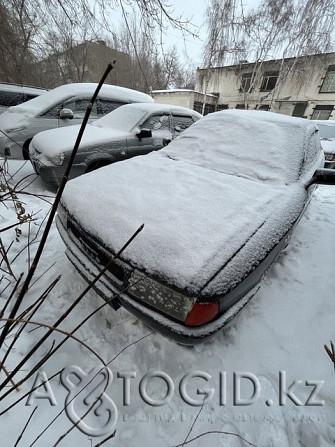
x: 246, y: 82
x: 222, y: 107
x: 322, y: 112
x: 265, y: 107
x: 328, y: 84
x: 209, y: 108
x: 269, y: 81
x: 198, y: 106
x: 299, y: 109
x: 240, y: 106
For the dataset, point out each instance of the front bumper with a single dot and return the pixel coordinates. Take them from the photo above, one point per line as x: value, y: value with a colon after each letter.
x: 111, y: 288
x: 52, y: 175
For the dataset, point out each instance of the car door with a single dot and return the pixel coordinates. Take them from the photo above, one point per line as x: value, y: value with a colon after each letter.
x: 160, y: 125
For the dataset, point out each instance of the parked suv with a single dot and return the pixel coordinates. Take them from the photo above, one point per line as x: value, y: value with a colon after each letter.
x: 62, y: 106
x: 14, y: 94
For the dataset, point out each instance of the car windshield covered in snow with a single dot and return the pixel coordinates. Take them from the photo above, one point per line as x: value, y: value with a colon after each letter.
x: 219, y: 204
x: 123, y: 119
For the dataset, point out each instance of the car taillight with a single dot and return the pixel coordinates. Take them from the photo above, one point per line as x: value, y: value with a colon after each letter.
x: 330, y: 157
x: 202, y: 313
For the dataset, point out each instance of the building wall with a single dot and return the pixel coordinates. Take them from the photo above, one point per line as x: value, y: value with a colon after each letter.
x: 177, y: 98
x: 297, y: 91
x: 186, y: 98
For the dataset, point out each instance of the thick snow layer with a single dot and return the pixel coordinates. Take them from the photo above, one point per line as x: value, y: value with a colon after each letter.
x: 212, y: 198
x: 197, y: 217
x: 254, y: 144
x: 328, y: 146
x: 126, y: 117
x: 283, y: 328
x: 53, y: 97
x: 22, y: 89
x: 55, y: 141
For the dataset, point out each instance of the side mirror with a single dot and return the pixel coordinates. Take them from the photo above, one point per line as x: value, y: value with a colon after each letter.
x: 66, y: 114
x: 322, y: 177
x: 144, y: 133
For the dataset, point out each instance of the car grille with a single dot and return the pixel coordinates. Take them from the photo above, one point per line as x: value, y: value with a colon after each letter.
x: 97, y: 254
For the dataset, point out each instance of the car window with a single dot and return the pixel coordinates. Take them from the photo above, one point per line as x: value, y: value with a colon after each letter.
x: 28, y: 97
x: 53, y: 112
x: 105, y: 106
x: 155, y: 122
x: 181, y: 122
x: 9, y: 99
x: 78, y: 107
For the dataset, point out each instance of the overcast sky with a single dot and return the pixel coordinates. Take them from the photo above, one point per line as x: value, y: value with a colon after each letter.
x: 190, y: 49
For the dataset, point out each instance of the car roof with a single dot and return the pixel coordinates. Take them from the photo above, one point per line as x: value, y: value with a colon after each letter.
x: 156, y: 107
x: 64, y: 92
x: 7, y: 87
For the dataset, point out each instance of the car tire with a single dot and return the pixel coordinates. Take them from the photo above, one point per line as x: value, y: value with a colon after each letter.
x: 97, y: 164
x: 25, y: 150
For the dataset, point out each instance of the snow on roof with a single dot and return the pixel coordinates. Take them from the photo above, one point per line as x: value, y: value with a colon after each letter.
x: 22, y: 88
x: 149, y: 108
x: 183, y: 90
x: 64, y: 92
x: 206, y: 199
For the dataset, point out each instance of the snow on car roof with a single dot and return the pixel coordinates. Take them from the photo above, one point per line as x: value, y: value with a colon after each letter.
x: 253, y: 144
x: 125, y: 117
x: 200, y: 215
x: 22, y: 88
x: 64, y: 92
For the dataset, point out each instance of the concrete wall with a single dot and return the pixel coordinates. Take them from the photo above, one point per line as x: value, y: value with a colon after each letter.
x: 299, y: 82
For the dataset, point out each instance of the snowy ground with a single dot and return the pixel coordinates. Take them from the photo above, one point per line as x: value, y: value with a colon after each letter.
x: 281, y: 331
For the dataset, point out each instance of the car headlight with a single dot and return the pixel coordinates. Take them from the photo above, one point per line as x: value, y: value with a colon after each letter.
x: 57, y: 160
x: 159, y: 296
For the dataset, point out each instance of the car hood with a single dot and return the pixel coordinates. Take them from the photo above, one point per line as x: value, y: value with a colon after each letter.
x: 328, y: 145
x: 55, y: 141
x: 199, y: 223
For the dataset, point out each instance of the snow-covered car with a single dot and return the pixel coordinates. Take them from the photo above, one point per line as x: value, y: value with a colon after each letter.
x: 132, y: 129
x: 14, y: 94
x: 62, y: 106
x: 327, y: 137
x: 218, y: 206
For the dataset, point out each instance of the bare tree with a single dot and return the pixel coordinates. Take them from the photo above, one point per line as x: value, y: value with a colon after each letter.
x: 277, y: 29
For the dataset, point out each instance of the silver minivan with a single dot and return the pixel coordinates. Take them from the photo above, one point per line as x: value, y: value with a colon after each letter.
x: 62, y: 106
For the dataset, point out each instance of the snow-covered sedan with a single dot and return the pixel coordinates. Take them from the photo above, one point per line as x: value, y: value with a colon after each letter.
x: 218, y: 205
x: 61, y: 107
x: 132, y: 129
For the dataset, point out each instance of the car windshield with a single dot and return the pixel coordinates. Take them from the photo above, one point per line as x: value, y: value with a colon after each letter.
x: 123, y: 118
